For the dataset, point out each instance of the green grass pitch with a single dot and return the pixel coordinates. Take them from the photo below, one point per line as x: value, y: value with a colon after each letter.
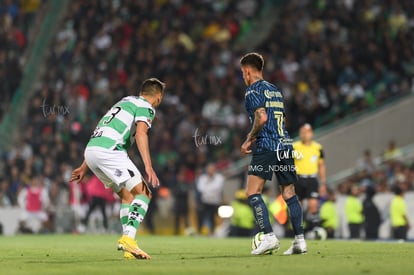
x: 96, y: 254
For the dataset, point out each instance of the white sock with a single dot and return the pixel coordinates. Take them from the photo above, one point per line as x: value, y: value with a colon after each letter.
x: 270, y: 235
x: 299, y: 237
x: 137, y: 211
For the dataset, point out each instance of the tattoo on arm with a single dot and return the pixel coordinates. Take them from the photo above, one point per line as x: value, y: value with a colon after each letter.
x: 258, y: 124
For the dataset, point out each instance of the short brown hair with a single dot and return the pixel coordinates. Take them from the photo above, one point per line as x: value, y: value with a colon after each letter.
x: 254, y: 60
x: 152, y: 86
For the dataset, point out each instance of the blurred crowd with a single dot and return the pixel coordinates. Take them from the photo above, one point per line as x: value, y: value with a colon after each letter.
x: 102, y: 52
x: 331, y: 58
x: 381, y: 173
x: 334, y: 58
x: 390, y: 173
x: 15, y: 19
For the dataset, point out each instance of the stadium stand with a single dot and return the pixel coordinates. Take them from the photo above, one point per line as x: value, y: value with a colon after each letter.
x: 104, y: 49
x: 336, y: 58
x: 15, y: 18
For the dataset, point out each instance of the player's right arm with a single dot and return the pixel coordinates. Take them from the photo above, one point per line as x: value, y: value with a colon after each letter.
x: 260, y: 118
x: 79, y: 173
x: 256, y: 102
x: 141, y: 138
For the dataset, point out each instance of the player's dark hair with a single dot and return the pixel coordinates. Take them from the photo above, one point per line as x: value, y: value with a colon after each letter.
x: 254, y: 60
x: 151, y: 86
x: 397, y: 190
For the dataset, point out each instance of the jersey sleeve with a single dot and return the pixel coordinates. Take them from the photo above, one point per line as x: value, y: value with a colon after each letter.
x: 255, y: 99
x: 295, y: 146
x: 146, y: 115
x: 321, y: 153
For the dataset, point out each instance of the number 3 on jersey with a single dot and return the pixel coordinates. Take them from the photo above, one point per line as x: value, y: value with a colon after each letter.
x: 279, y: 120
x: 113, y: 114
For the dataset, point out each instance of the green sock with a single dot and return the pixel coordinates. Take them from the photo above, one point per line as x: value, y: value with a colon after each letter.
x: 123, y: 215
x: 137, y: 211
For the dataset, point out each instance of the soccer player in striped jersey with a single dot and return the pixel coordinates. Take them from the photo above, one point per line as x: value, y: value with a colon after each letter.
x: 106, y: 155
x: 273, y: 153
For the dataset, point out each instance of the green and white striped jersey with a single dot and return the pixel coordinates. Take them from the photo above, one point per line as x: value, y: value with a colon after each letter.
x: 116, y: 129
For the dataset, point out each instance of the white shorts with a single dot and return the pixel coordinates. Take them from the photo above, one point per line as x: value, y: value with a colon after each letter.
x: 114, y: 168
x: 37, y: 215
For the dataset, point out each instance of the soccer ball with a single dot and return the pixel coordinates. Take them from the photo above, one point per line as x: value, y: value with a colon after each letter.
x: 318, y: 233
x: 257, y: 239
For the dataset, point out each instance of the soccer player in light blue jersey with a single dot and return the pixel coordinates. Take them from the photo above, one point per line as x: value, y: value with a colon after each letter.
x: 272, y: 153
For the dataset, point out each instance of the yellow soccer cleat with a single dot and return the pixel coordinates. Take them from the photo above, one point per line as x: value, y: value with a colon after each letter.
x: 127, y: 244
x: 129, y: 256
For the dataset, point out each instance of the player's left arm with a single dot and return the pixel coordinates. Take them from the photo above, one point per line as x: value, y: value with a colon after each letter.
x: 405, y: 217
x: 141, y: 138
x: 322, y: 174
x: 260, y: 118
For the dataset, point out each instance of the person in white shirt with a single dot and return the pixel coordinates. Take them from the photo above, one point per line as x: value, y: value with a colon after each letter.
x: 34, y: 201
x: 210, y: 190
